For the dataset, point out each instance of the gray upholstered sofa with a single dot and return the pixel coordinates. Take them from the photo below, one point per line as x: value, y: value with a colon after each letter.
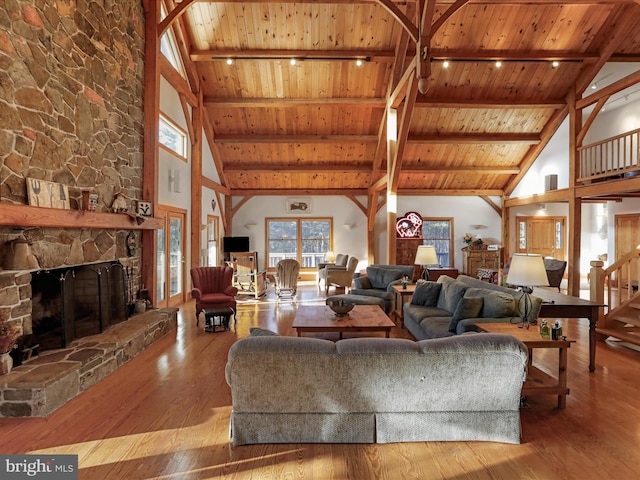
x: 451, y: 307
x: 376, y: 390
x: 379, y: 282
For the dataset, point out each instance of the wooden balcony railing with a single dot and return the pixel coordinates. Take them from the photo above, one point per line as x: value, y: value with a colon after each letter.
x: 611, y: 157
x: 619, y: 280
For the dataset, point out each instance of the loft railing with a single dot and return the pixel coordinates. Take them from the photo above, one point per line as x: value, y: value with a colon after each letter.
x: 611, y: 157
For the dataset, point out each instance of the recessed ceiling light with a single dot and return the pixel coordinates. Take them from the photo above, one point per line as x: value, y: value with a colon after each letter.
x: 498, y: 63
x: 359, y: 62
x: 229, y: 61
x: 292, y: 61
x: 555, y: 64
x: 445, y: 64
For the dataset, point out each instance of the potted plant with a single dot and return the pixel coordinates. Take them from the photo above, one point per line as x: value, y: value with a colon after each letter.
x: 8, y: 337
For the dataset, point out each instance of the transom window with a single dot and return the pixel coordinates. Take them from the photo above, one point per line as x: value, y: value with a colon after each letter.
x: 438, y: 232
x: 303, y: 239
x: 172, y: 137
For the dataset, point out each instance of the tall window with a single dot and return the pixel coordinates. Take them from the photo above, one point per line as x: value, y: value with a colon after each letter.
x: 439, y: 233
x: 304, y: 239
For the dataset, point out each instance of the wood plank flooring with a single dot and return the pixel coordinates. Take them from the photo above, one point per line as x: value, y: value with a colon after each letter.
x: 165, y: 415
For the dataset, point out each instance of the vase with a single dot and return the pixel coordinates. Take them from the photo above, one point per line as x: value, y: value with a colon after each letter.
x: 6, y: 363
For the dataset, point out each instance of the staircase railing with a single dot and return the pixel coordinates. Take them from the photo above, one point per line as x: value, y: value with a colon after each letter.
x: 609, y: 280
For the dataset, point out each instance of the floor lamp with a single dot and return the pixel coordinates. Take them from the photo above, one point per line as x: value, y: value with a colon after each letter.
x: 425, y: 256
x: 525, y: 272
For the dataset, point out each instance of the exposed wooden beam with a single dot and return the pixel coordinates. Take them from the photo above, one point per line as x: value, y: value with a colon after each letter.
x: 176, y: 80
x: 299, y: 192
x: 267, y: 168
x: 615, y: 87
x: 501, y: 138
x: 379, y: 56
x: 613, y: 187
x: 434, y: 192
x: 207, y: 182
x: 293, y: 102
x: 555, y: 196
x: 468, y: 169
x: 492, y: 204
x: 254, y: 139
x: 485, y: 103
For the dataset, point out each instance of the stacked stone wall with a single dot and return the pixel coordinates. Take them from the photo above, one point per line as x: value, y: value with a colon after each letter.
x: 71, y: 112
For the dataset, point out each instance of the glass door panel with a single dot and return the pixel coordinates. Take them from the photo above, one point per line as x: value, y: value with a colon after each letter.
x: 161, y: 267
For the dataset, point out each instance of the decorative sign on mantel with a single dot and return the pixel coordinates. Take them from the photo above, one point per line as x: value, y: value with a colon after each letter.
x: 47, y: 194
x: 409, y: 226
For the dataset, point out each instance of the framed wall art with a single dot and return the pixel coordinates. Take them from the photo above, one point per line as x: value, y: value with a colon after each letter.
x: 298, y: 205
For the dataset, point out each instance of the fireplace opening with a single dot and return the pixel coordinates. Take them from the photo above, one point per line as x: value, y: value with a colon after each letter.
x: 75, y: 302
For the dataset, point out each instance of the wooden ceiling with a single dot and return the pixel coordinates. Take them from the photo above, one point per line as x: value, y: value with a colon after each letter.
x: 320, y: 126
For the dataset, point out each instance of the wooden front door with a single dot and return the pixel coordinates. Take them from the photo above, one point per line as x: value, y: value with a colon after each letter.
x: 627, y: 237
x: 542, y: 235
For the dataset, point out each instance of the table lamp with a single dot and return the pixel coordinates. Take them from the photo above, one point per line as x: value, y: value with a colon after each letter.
x: 330, y: 256
x: 525, y: 272
x: 425, y: 256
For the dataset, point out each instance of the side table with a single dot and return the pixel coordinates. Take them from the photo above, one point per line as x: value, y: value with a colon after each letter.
x: 401, y: 294
x: 538, y: 382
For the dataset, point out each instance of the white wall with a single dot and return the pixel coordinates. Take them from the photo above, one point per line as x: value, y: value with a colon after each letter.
x: 342, y: 210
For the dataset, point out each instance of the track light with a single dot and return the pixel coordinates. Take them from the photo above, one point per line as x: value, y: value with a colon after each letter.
x: 594, y: 85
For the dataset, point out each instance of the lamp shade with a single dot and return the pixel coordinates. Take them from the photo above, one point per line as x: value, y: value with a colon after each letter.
x: 527, y: 270
x: 330, y: 256
x: 426, y: 255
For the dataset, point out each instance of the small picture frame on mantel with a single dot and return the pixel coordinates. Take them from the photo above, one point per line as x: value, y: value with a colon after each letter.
x: 298, y: 205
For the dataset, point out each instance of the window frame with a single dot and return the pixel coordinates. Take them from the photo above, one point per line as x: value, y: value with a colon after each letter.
x: 425, y: 239
x: 163, y: 117
x: 299, y: 238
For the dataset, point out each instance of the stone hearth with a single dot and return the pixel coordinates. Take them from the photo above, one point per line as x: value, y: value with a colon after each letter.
x: 48, y: 381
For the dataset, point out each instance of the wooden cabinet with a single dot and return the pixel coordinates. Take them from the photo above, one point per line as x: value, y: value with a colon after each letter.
x: 406, y: 249
x: 472, y: 259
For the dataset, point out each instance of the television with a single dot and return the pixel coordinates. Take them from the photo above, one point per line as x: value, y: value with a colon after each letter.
x: 235, y: 244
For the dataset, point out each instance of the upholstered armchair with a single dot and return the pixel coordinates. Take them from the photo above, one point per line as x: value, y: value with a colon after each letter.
x: 286, y: 277
x: 340, y: 261
x: 339, y: 277
x: 213, y: 287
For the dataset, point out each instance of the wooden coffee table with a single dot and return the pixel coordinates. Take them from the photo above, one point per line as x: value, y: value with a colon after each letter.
x: 363, y: 318
x: 538, y: 382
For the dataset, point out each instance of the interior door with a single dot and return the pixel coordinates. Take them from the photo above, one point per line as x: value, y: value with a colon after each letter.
x: 542, y: 235
x: 627, y: 237
x: 171, y: 257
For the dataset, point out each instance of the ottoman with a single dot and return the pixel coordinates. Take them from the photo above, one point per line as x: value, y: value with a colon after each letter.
x: 358, y: 300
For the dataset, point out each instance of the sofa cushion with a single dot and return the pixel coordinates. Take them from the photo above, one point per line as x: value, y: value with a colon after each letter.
x: 362, y: 282
x: 450, y: 294
x: 426, y: 293
x: 436, y: 327
x: 496, y: 304
x: 469, y: 307
x: 382, y: 277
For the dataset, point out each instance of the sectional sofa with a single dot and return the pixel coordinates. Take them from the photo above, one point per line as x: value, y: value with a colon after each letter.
x: 451, y: 307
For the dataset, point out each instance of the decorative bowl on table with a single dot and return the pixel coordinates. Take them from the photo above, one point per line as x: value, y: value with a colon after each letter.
x: 340, y: 307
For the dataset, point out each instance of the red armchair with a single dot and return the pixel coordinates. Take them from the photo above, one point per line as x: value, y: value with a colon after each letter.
x: 213, y: 287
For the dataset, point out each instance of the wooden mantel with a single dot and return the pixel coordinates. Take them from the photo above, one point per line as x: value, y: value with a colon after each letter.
x: 28, y: 216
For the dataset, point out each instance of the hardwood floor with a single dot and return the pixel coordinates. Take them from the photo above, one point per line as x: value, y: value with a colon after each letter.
x: 165, y: 415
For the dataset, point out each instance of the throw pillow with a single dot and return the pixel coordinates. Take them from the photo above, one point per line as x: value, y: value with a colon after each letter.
x: 426, y: 294
x: 261, y: 332
x: 468, y: 307
x: 496, y: 304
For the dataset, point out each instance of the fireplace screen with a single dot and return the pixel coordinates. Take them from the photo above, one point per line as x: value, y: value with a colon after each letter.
x: 75, y: 302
